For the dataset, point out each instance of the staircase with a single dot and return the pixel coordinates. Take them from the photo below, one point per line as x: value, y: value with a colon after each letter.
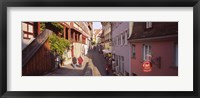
x: 36, y: 57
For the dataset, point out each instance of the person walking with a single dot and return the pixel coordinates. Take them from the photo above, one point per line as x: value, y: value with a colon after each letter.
x: 108, y: 69
x: 57, y: 60
x: 80, y: 61
x: 74, y: 62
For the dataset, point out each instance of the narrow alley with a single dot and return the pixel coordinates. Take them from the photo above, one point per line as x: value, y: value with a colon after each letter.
x: 97, y: 60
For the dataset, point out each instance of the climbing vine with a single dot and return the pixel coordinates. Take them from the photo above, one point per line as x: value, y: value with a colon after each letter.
x: 58, y: 44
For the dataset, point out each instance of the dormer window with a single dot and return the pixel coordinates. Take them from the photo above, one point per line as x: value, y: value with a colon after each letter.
x: 148, y: 25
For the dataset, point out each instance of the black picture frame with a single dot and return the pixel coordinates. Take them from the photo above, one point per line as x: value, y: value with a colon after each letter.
x: 100, y: 3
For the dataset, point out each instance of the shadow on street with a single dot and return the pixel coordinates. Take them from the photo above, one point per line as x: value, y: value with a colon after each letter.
x: 98, y: 61
x: 64, y: 71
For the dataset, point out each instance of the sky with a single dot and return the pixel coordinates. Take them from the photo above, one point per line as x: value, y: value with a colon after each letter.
x: 97, y: 25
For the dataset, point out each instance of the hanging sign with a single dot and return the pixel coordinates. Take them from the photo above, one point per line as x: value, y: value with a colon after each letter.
x: 147, y: 66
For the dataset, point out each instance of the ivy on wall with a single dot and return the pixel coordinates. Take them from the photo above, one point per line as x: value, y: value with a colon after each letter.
x: 58, y: 44
x: 42, y: 26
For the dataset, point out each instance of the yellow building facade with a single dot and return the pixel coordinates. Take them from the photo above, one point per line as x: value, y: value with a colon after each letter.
x: 106, y: 37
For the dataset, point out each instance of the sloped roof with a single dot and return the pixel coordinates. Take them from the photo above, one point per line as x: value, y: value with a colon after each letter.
x: 158, y: 29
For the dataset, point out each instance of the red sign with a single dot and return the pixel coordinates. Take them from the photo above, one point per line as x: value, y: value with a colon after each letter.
x: 147, y: 66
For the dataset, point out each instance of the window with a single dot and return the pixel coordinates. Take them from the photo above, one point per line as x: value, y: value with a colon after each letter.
x: 30, y: 28
x: 133, y: 51
x: 119, y: 40
x: 122, y: 64
x: 116, y: 62
x: 123, y: 38
x: 24, y: 27
x: 113, y: 62
x: 148, y: 25
x: 126, y: 37
x: 27, y: 30
x: 176, y: 55
x: 119, y: 63
x: 146, y: 52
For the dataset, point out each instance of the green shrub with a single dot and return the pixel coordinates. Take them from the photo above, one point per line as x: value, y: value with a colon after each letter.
x: 42, y: 26
x: 58, y: 44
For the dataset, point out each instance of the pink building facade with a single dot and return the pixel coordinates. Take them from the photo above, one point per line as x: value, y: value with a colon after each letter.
x: 156, y: 42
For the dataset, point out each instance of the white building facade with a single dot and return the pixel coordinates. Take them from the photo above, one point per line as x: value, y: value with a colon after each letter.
x: 121, y: 48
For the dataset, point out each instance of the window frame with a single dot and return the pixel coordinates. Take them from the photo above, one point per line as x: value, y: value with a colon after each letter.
x: 27, y: 33
x: 133, y: 48
x: 122, y: 64
x: 144, y: 51
x: 123, y: 39
x: 126, y: 37
x: 148, y: 25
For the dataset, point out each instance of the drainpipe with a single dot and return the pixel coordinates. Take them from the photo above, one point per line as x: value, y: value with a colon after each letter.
x: 129, y: 46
